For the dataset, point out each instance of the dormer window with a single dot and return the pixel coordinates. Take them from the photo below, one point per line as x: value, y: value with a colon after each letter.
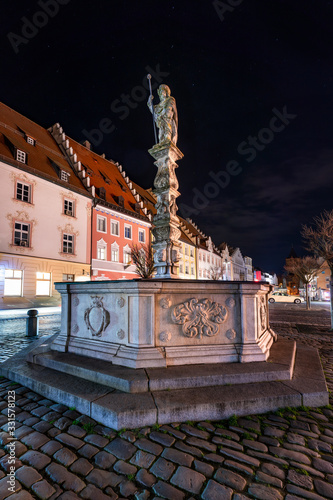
x: 64, y: 176
x: 30, y: 140
x: 21, y: 156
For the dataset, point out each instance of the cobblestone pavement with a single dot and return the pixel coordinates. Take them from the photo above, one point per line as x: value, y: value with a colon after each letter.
x: 61, y: 454
x: 13, y: 333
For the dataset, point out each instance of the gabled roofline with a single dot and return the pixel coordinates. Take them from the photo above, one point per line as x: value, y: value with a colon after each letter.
x: 61, y: 139
x: 32, y: 171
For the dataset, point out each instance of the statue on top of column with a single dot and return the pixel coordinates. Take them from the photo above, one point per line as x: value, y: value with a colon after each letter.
x: 165, y: 115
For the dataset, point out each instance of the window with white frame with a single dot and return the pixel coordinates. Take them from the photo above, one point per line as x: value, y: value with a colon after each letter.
x: 21, y: 156
x: 22, y: 234
x: 64, y: 175
x: 186, y: 269
x: 200, y: 256
x: 203, y: 257
x: 68, y: 243
x: 30, y: 140
x: 13, y: 283
x: 186, y: 250
x: 114, y: 253
x: 101, y: 224
x: 142, y: 236
x: 68, y: 277
x: 128, y: 232
x: 192, y: 270
x: 191, y: 252
x: 114, y: 227
x: 43, y: 284
x: 69, y: 207
x: 23, y: 191
x: 208, y: 258
x: 101, y: 252
x: 200, y: 273
x: 181, y: 268
x: 127, y: 256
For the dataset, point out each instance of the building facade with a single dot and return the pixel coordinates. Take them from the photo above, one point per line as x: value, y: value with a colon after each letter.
x: 45, y: 216
x: 119, y: 218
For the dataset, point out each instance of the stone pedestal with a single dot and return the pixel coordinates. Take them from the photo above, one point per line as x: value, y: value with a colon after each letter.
x: 166, y: 231
x: 159, y: 323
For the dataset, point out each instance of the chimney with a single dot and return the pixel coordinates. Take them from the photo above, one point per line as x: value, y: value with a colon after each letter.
x: 87, y: 144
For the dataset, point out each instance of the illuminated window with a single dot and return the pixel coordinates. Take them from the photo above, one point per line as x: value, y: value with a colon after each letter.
x: 68, y: 243
x: 141, y: 235
x: 114, y: 228
x: 43, y: 284
x: 22, y: 234
x: 23, y: 192
x: 13, y: 283
x: 101, y: 253
x: 69, y: 207
x: 114, y: 254
x: 101, y: 224
x: 128, y: 232
x: 127, y: 257
x: 21, y: 156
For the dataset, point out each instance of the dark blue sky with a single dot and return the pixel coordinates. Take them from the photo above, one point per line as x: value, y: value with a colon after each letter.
x: 85, y: 66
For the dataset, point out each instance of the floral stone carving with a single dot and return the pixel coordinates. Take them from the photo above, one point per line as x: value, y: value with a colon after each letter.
x: 96, y: 317
x: 121, y: 334
x: 121, y: 302
x: 230, y: 302
x: 199, y: 317
x: 165, y: 336
x: 165, y: 302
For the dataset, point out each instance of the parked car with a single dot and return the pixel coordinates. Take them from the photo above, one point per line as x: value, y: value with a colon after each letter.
x: 284, y: 297
x: 325, y: 295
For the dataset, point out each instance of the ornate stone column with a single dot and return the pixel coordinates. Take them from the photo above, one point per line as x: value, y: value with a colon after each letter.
x: 166, y: 231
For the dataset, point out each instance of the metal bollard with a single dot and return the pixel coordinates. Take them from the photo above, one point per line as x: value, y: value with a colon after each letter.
x: 32, y: 323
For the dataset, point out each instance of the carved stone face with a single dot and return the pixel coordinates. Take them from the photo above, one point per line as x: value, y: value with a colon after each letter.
x: 163, y: 92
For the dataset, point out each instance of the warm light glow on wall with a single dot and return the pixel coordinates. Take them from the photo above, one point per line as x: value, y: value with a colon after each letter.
x: 43, y: 284
x: 13, y: 283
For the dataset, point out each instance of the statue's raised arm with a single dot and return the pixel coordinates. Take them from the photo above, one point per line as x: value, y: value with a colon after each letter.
x: 165, y: 115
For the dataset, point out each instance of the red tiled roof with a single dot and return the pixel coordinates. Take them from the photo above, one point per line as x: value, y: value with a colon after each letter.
x: 13, y: 130
x: 105, y: 174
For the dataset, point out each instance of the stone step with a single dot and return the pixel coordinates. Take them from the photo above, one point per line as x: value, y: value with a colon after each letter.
x: 117, y: 409
x: 279, y: 366
x: 95, y: 370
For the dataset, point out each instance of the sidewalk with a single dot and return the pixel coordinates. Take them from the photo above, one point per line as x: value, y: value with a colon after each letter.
x: 21, y: 313
x: 61, y: 454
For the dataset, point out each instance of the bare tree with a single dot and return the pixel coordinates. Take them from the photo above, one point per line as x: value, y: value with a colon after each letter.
x: 306, y: 269
x: 215, y: 273
x: 319, y: 240
x: 143, y: 258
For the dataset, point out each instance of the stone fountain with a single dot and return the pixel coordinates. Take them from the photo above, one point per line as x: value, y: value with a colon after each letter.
x: 138, y: 352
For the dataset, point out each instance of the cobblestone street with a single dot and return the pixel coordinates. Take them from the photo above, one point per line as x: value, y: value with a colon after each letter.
x: 61, y: 454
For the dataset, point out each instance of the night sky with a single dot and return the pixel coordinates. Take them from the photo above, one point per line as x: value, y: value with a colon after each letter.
x: 231, y: 68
